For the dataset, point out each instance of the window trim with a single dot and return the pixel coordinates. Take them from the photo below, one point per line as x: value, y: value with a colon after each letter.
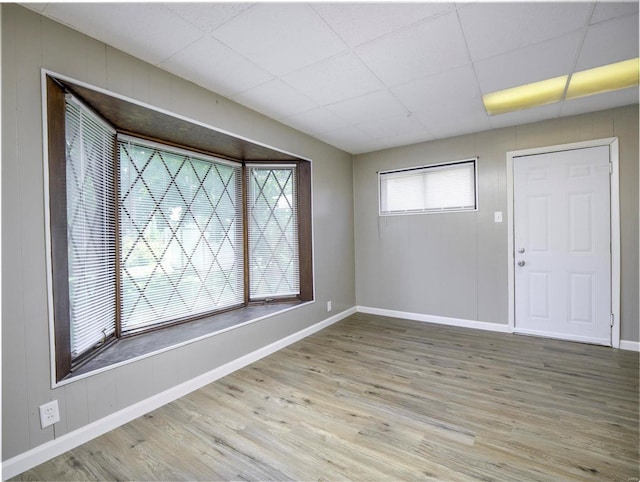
x: 53, y: 87
x: 427, y: 167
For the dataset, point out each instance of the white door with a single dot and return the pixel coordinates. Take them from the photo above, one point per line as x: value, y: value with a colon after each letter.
x: 562, y: 226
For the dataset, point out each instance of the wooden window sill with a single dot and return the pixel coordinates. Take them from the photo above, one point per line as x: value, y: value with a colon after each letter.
x: 127, y: 350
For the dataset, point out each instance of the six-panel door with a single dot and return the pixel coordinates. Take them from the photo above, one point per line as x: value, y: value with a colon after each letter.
x: 562, y: 245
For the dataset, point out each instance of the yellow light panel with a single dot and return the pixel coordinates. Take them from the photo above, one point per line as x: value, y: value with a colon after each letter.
x: 525, y: 96
x: 604, y: 79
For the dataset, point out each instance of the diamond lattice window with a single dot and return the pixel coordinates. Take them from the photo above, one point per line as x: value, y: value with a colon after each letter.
x: 273, y: 231
x: 180, y: 234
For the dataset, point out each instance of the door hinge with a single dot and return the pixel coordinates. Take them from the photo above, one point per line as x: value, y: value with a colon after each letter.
x: 610, y: 167
x: 611, y: 323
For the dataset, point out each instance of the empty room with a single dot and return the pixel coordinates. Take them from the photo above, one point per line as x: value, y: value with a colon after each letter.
x: 320, y: 241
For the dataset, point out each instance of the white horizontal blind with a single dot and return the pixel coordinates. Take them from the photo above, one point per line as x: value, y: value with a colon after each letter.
x: 91, y: 234
x: 181, y: 234
x: 439, y: 188
x: 274, y: 265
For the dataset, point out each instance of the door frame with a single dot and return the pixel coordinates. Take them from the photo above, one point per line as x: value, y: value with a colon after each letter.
x: 614, y: 184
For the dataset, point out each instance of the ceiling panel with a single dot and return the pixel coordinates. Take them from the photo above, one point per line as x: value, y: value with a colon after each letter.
x: 541, y: 61
x: 610, y: 41
x: 452, y: 89
x: 280, y: 37
x: 359, y: 23
x: 456, y: 120
x: 393, y: 127
x: 495, y: 28
x: 535, y: 114
x: 606, y: 10
x: 275, y: 99
x: 200, y: 62
x: 207, y: 16
x: 428, y: 48
x: 378, y: 104
x: 350, y: 139
x: 139, y: 29
x: 600, y: 102
x: 316, y: 121
x: 334, y: 80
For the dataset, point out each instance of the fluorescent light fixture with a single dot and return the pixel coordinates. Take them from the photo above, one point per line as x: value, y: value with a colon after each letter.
x: 525, y: 96
x: 607, y: 78
x: 604, y: 79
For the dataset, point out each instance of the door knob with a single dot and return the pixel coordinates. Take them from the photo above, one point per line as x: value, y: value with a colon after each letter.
x: 521, y: 250
x: 520, y: 263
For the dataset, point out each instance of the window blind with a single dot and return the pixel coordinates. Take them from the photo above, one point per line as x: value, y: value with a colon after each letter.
x: 439, y: 188
x: 274, y: 266
x: 91, y: 239
x: 181, y: 234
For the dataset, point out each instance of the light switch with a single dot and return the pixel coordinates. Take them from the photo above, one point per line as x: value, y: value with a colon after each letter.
x: 497, y: 216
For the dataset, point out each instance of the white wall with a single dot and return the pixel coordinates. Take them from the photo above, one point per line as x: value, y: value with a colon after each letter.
x: 30, y: 42
x: 455, y: 265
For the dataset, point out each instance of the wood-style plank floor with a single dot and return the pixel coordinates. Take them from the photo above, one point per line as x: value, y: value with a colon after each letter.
x: 374, y: 398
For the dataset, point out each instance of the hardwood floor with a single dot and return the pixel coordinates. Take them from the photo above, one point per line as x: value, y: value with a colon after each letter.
x: 374, y: 398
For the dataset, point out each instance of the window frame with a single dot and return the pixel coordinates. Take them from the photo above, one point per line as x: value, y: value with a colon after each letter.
x: 422, y: 169
x: 234, y: 149
x: 253, y: 296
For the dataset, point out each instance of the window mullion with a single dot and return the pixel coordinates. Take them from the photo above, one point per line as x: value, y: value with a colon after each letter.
x: 245, y: 235
x: 116, y: 213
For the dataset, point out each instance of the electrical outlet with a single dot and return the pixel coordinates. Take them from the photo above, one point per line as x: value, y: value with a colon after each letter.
x: 49, y: 414
x: 328, y: 305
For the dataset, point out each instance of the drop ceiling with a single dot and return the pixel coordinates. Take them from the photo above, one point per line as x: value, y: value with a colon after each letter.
x: 368, y: 76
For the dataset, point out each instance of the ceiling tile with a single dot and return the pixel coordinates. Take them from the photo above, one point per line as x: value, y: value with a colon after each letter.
x: 526, y: 116
x: 607, y: 10
x: 281, y: 38
x: 334, y: 80
x: 495, y: 28
x: 608, y: 42
x: 393, y: 127
x: 350, y: 139
x: 433, y: 46
x: 275, y: 99
x: 456, y: 120
x: 451, y: 89
x: 598, y: 102
x: 207, y: 16
x: 378, y: 104
x: 357, y: 23
x: 315, y: 121
x: 545, y: 60
x: 151, y: 40
x: 38, y: 7
x: 201, y: 63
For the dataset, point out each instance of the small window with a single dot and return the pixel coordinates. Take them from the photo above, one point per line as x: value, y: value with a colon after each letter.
x: 429, y: 189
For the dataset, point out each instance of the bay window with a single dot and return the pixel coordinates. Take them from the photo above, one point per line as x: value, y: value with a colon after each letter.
x: 145, y: 233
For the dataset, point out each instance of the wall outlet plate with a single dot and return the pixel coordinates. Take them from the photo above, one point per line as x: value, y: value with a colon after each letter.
x: 328, y: 305
x: 497, y: 216
x: 49, y: 414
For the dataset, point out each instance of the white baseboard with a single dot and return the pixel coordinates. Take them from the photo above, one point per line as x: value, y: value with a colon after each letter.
x: 27, y: 460
x: 440, y: 320
x: 630, y: 345
x: 479, y: 325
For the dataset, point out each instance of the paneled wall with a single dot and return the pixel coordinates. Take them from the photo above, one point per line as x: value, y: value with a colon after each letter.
x: 455, y: 264
x: 30, y: 42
